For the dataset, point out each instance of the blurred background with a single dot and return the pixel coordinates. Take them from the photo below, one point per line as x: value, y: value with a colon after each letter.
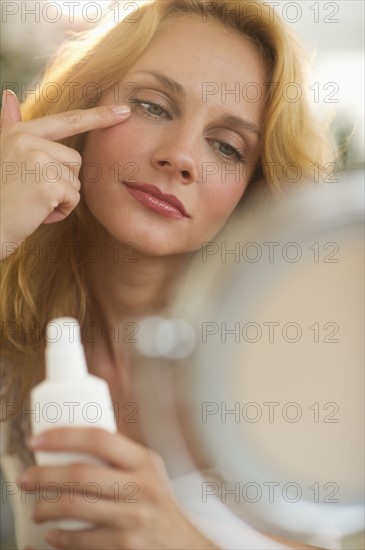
x: 332, y: 32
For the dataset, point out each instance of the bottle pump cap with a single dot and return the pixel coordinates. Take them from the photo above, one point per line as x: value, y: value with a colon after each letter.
x: 65, y: 356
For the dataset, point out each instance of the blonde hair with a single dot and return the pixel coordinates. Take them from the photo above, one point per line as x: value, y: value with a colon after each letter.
x: 37, y: 288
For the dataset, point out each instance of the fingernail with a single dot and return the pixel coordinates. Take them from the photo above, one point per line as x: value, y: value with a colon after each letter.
x: 50, y: 537
x: 37, y: 441
x: 5, y: 93
x: 121, y: 110
x: 22, y: 478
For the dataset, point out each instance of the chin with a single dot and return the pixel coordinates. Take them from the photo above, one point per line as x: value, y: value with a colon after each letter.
x: 159, y: 248
x: 150, y: 243
x: 139, y: 236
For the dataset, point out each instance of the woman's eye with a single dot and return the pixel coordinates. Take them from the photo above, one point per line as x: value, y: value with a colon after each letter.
x: 150, y: 108
x: 228, y: 152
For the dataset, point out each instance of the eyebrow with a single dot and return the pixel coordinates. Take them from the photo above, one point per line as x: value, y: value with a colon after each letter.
x: 242, y: 123
x: 230, y: 120
x: 168, y: 82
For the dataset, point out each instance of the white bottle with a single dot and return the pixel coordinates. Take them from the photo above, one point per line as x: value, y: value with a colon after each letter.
x: 69, y: 396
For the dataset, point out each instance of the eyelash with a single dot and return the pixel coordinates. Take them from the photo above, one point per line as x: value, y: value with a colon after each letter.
x: 141, y: 102
x: 237, y: 153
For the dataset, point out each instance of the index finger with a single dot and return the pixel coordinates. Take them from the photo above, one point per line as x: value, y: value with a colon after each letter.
x: 70, y: 123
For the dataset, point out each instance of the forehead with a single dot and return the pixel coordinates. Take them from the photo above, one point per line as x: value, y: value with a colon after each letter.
x: 194, y: 52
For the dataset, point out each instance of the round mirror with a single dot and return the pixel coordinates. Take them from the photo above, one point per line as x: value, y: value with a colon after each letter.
x: 272, y: 394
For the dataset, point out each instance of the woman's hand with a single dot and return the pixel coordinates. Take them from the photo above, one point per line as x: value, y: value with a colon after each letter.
x: 39, y: 177
x: 128, y: 499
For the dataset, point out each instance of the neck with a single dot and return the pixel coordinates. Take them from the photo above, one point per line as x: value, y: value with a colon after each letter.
x: 127, y: 284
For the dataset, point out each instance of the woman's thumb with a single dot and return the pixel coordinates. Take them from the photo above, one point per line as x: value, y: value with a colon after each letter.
x: 10, y: 111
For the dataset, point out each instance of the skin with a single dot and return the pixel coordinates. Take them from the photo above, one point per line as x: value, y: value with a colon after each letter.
x: 32, y: 144
x: 170, y: 150
x: 174, y: 149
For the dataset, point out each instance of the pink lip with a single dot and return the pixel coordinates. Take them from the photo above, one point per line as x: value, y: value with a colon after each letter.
x: 151, y: 196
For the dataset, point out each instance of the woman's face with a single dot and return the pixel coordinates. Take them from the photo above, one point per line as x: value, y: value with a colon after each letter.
x: 187, y: 92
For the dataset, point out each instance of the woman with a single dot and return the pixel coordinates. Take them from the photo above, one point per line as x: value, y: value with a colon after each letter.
x: 168, y: 150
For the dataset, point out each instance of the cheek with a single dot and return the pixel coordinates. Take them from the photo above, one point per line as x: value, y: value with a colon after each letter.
x: 117, y: 150
x: 223, y: 195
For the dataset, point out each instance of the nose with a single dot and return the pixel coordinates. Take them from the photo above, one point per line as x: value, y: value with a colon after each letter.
x: 175, y: 157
